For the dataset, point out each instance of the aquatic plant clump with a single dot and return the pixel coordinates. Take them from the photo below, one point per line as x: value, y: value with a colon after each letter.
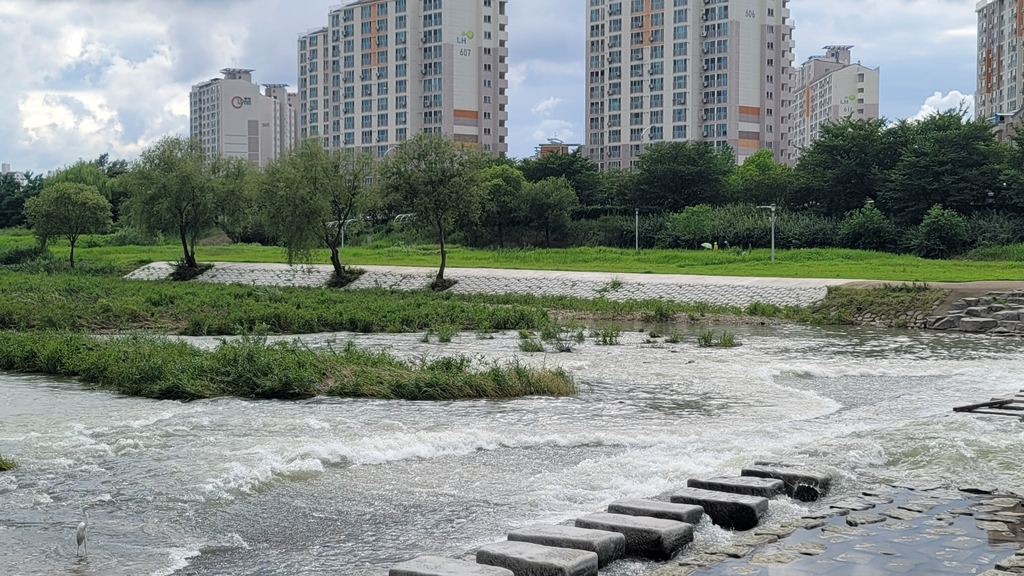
x: 6, y: 464
x: 160, y: 368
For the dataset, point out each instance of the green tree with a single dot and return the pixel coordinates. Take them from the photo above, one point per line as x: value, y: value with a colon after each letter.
x: 172, y: 192
x: 846, y: 166
x: 435, y: 179
x: 581, y: 172
x: 503, y: 187
x: 69, y: 210
x: 942, y: 234
x: 761, y: 180
x: 235, y: 181
x: 673, y: 175
x: 309, y: 195
x: 950, y: 161
x: 868, y: 229
x: 13, y: 195
x: 617, y: 189
x: 550, y: 204
x: 81, y: 172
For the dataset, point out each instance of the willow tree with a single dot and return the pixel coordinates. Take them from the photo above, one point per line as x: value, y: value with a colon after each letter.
x: 69, y: 210
x: 431, y: 176
x: 172, y: 192
x: 308, y: 197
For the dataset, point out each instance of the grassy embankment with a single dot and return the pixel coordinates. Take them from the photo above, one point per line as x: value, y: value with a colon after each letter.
x: 159, y: 368
x: 1006, y: 263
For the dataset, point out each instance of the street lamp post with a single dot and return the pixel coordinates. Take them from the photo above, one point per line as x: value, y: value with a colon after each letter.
x: 638, y: 230
x: 773, y: 208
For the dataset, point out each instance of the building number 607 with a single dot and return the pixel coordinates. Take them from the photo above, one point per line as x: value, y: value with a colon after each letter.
x: 466, y: 52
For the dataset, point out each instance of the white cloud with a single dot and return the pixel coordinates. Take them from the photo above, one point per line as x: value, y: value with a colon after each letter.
x: 940, y: 103
x: 560, y: 129
x: 546, y: 106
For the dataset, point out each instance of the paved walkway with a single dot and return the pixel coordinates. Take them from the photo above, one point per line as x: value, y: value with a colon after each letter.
x: 725, y: 290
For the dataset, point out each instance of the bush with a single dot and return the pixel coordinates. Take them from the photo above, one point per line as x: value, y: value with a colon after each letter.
x: 942, y: 234
x: 21, y: 254
x: 992, y: 229
x: 868, y: 229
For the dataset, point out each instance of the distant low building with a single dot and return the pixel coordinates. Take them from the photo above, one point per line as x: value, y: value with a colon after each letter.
x: 555, y: 146
x: 5, y: 170
x: 231, y: 117
x: 830, y: 88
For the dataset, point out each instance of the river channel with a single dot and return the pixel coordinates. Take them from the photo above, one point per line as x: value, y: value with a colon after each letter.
x: 347, y: 487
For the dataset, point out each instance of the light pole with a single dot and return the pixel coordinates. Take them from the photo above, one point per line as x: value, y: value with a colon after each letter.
x: 773, y: 208
x: 638, y: 230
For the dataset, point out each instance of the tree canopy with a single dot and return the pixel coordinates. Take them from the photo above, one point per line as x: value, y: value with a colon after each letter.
x: 68, y: 209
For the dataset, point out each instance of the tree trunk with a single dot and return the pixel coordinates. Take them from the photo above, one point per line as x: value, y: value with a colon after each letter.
x: 339, y: 270
x: 190, y: 255
x: 444, y: 255
x: 547, y: 236
x: 501, y: 236
x: 73, y: 242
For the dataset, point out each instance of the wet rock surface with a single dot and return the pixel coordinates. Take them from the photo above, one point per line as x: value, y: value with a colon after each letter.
x: 942, y: 537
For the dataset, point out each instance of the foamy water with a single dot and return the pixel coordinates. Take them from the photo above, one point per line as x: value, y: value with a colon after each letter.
x: 350, y: 487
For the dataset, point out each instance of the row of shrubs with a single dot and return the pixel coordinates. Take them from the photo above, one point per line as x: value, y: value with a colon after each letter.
x: 943, y: 234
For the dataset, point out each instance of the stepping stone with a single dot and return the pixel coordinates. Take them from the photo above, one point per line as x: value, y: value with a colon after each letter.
x: 674, y: 571
x: 703, y: 560
x: 779, y: 533
x: 730, y: 511
x: 746, y: 485
x: 863, y: 519
x: 901, y: 514
x: 854, y: 505
x: 651, y: 538
x: 657, y: 509
x: 1011, y: 564
x: 801, y: 484
x: 525, y: 559
x: 608, y: 546
x: 806, y: 549
x: 437, y: 566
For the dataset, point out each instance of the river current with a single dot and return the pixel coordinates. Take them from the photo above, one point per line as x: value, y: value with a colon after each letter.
x: 350, y: 487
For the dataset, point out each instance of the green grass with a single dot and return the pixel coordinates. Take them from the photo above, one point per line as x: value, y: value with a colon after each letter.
x: 990, y: 264
x: 159, y: 368
x: 6, y: 464
x: 706, y: 339
x: 530, y: 346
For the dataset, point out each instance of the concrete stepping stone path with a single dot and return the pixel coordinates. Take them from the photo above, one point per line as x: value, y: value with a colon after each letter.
x: 650, y: 538
x: 609, y: 546
x: 801, y: 484
x: 731, y: 511
x: 437, y: 566
x: 526, y: 559
x: 746, y: 485
x: 657, y: 509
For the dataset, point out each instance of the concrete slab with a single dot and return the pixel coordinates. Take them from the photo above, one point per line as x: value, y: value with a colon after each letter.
x: 526, y: 559
x: 651, y: 538
x: 437, y: 566
x: 747, y: 485
x: 656, y: 509
x: 609, y: 546
x: 731, y: 511
x: 800, y: 483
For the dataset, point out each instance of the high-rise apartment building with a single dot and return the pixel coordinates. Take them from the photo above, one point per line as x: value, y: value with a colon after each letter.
x: 830, y: 88
x: 718, y: 71
x: 383, y: 70
x: 230, y: 117
x: 1000, y: 63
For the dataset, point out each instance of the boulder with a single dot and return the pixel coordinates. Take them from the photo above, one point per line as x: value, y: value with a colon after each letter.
x: 970, y: 302
x: 1015, y: 301
x: 801, y: 484
x: 747, y: 485
x: 730, y: 511
x: 650, y: 538
x: 1007, y: 315
x: 948, y: 322
x: 1020, y: 328
x: 437, y: 566
x: 977, y: 312
x: 986, y: 301
x: 657, y: 509
x: 978, y: 324
x: 525, y: 559
x: 608, y: 546
x: 959, y: 305
x: 993, y: 308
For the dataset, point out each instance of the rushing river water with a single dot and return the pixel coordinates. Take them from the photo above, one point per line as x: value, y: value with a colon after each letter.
x: 346, y: 487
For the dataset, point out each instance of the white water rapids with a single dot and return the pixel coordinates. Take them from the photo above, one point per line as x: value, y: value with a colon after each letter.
x: 347, y: 487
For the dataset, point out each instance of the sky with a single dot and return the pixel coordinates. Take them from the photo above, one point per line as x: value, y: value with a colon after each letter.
x: 86, y: 77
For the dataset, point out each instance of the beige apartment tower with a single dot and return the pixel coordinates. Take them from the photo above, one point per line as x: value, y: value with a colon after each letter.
x: 230, y: 117
x: 830, y: 88
x: 718, y: 71
x: 383, y: 70
x: 1000, y: 64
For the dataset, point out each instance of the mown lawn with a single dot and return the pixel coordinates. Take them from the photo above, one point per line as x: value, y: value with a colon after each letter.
x: 810, y: 263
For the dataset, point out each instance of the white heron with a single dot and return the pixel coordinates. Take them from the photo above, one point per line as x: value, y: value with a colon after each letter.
x: 80, y: 536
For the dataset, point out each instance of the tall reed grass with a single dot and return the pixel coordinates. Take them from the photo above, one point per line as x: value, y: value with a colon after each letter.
x: 249, y: 367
